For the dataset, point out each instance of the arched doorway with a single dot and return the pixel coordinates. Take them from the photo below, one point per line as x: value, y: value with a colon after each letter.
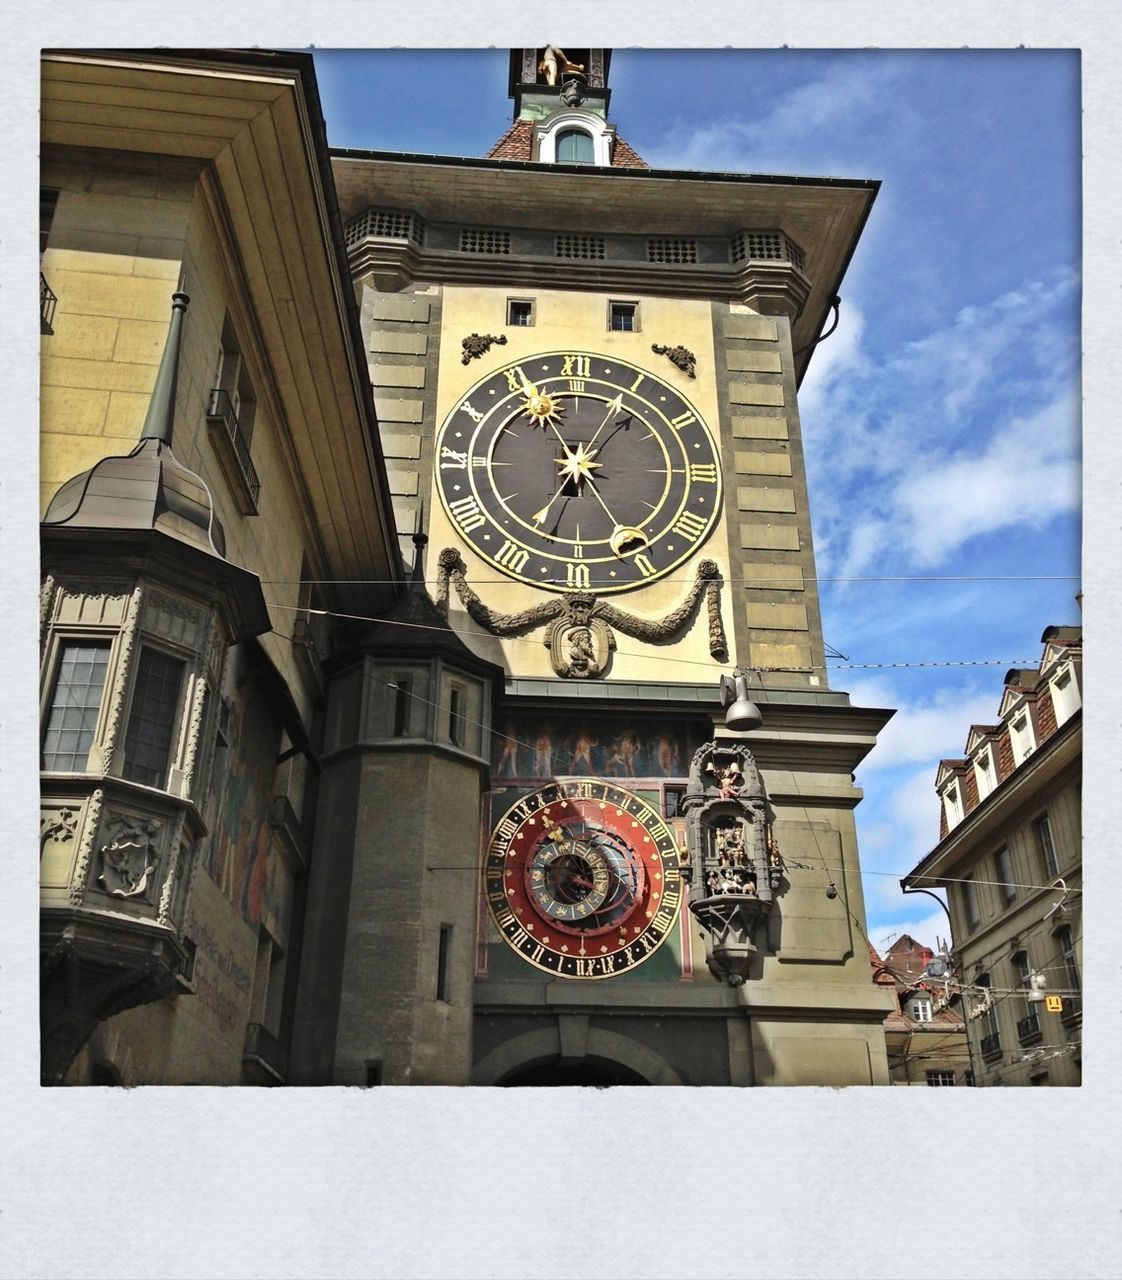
x: 589, y: 1073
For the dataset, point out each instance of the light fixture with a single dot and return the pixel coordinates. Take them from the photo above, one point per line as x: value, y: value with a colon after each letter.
x: 831, y: 890
x: 742, y: 713
x: 1037, y: 985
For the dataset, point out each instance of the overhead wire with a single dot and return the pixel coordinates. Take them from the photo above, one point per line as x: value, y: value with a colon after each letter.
x: 495, y: 734
x: 657, y: 657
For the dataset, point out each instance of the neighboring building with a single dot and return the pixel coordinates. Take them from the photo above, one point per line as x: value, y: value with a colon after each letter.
x: 1010, y: 857
x: 491, y: 828
x: 925, y: 1034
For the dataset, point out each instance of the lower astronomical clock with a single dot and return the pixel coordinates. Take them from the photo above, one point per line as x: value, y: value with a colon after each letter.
x: 582, y: 879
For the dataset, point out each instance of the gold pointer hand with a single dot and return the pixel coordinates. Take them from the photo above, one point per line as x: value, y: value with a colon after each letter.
x: 614, y: 407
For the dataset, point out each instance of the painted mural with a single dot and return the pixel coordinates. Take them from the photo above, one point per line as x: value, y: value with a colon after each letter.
x: 533, y: 748
x: 238, y: 859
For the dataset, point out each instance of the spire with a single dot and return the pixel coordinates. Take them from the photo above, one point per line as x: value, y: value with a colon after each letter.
x: 161, y: 408
x: 417, y: 581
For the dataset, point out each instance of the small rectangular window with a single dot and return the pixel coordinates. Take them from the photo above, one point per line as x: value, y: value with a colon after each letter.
x: 72, y: 716
x: 940, y: 1079
x: 456, y: 715
x: 401, y: 690
x: 623, y: 317
x: 442, y: 961
x: 672, y: 798
x: 1047, y: 848
x: 1003, y: 865
x: 519, y: 312
x: 155, y: 707
x: 373, y: 1074
x: 970, y: 902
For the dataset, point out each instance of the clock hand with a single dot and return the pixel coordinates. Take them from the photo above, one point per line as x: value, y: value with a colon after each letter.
x: 614, y: 407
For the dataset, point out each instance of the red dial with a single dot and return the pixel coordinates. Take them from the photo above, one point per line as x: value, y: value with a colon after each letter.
x: 582, y: 879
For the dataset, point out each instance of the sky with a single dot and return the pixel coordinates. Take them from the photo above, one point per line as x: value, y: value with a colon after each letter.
x: 941, y: 420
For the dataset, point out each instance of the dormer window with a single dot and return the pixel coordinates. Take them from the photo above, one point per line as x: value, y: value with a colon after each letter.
x: 919, y: 1008
x: 1065, y: 695
x: 984, y: 773
x: 573, y: 137
x: 574, y: 146
x: 1020, y: 735
x: 952, y: 802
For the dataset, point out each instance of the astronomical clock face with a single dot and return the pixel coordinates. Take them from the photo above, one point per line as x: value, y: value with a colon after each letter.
x: 574, y: 471
x: 582, y: 879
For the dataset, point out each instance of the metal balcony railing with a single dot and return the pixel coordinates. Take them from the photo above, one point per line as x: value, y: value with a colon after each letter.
x: 47, y: 303
x: 1028, y: 1028
x: 264, y: 1050
x: 220, y: 408
x: 991, y: 1046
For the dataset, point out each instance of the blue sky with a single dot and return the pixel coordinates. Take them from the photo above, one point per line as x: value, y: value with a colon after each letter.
x: 941, y: 419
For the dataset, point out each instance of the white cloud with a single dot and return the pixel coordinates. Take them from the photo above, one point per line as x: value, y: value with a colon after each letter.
x: 971, y: 430
x: 788, y: 137
x: 929, y: 731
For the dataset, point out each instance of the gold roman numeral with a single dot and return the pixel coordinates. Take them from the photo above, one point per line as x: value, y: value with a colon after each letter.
x: 703, y: 472
x: 643, y: 564
x: 467, y: 513
x: 472, y: 412
x: 576, y: 366
x: 515, y: 378
x: 576, y: 576
x: 689, y: 526
x: 683, y: 420
x: 452, y: 460
x: 511, y: 556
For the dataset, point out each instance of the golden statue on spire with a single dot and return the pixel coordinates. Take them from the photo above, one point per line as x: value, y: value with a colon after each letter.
x: 554, y: 64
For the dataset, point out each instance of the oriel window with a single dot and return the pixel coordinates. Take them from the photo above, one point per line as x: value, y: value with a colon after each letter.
x: 152, y: 720
x: 72, y: 717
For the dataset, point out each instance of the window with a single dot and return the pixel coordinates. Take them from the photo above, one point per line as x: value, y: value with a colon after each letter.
x: 456, y: 702
x: 940, y: 1079
x: 1022, y: 976
x: 623, y: 317
x: 953, y: 805
x: 442, y: 961
x: 48, y: 201
x: 1020, y: 734
x: 231, y: 408
x: 970, y: 902
x: 1065, y: 695
x: 519, y: 312
x: 1066, y: 945
x: 72, y: 716
x: 155, y: 705
x: 574, y: 146
x: 373, y: 1074
x: 401, y: 689
x: 672, y: 798
x: 984, y: 772
x: 989, y: 1016
x: 1043, y: 831
x: 919, y: 1008
x: 1003, y: 866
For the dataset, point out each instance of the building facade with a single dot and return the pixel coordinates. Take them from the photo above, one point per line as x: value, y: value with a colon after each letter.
x: 1010, y: 858
x: 498, y: 824
x: 925, y: 1035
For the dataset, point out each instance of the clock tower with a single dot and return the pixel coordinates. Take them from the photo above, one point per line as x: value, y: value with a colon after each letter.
x: 586, y: 376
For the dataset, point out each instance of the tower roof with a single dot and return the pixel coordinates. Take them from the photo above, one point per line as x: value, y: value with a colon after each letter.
x: 518, y: 144
x: 149, y: 488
